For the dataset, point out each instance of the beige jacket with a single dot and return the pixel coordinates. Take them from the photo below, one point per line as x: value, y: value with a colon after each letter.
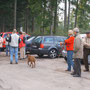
x: 78, y: 47
x: 1, y: 42
x: 87, y: 42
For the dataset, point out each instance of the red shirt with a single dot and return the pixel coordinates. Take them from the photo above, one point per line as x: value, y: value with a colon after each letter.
x: 70, y: 43
x: 21, y: 44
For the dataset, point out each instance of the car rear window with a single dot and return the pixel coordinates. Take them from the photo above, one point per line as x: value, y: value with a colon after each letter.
x: 61, y: 39
x: 37, y: 40
x: 48, y: 40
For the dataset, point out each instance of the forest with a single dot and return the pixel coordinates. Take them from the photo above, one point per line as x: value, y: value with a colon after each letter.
x: 44, y: 17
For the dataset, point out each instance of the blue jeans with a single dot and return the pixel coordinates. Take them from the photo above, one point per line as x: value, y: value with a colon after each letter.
x: 7, y: 50
x: 70, y: 60
x: 13, y: 50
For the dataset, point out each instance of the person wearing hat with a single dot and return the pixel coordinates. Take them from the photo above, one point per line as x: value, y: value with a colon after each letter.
x: 78, y: 53
x: 86, y: 50
x: 69, y: 47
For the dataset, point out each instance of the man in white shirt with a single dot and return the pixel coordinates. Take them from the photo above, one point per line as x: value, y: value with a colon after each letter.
x: 14, y: 42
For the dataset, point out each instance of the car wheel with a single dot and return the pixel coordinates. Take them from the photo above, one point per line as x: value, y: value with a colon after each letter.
x: 40, y: 55
x: 52, y: 53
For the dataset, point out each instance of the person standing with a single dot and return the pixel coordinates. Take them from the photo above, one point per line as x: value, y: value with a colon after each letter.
x: 69, y: 47
x: 22, y: 46
x: 1, y: 43
x: 7, y: 45
x: 78, y: 53
x: 86, y: 50
x: 14, y: 42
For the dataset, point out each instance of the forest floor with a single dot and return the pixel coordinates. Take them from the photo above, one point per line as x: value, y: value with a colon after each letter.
x: 49, y: 74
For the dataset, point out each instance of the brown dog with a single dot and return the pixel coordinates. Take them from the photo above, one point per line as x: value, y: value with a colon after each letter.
x: 32, y: 60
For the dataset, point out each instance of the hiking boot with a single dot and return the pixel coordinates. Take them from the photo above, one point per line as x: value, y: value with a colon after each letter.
x: 76, y: 75
x: 10, y: 62
x: 72, y: 73
x: 85, y: 70
x: 16, y: 62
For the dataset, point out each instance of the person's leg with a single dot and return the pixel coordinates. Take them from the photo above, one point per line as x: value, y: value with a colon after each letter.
x: 74, y: 68
x: 24, y: 52
x: 77, y: 68
x: 0, y: 50
x: 68, y: 61
x: 6, y: 50
x: 21, y: 53
x: 16, y: 55
x: 11, y: 55
x: 9, y: 49
x: 71, y: 59
x: 86, y: 59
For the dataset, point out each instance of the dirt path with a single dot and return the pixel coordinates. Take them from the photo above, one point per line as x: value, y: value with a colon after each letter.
x: 49, y: 74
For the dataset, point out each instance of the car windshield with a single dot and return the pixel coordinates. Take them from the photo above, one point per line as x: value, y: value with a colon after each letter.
x: 48, y: 40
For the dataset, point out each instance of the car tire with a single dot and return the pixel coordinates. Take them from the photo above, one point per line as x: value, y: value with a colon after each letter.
x: 52, y: 53
x: 40, y: 55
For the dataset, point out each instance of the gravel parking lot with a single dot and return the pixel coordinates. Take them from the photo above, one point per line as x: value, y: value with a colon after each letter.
x: 49, y: 74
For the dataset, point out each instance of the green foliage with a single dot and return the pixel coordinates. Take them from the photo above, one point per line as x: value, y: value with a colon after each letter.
x: 37, y: 16
x: 83, y: 16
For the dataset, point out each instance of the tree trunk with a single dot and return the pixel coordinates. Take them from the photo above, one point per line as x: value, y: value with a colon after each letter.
x: 76, y: 14
x: 55, y: 17
x: 15, y: 11
x: 32, y: 24
x: 43, y: 28
x: 65, y: 15
x: 3, y: 27
x: 51, y: 18
x: 3, y: 24
x: 68, y: 14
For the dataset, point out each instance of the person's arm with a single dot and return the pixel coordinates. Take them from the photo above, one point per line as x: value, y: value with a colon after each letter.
x: 85, y: 43
x: 77, y: 45
x: 9, y: 39
x: 19, y: 40
x: 62, y: 43
x: 69, y: 40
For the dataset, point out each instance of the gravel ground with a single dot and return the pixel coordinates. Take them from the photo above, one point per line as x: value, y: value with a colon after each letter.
x: 49, y: 74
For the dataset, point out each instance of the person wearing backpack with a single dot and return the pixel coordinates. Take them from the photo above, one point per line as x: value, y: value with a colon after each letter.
x: 14, y: 42
x: 22, y: 46
x: 1, y: 43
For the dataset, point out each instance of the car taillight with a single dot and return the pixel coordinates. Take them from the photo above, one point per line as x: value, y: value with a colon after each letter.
x: 41, y: 45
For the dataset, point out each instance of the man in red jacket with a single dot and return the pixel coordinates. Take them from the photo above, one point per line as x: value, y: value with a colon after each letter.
x: 22, y: 46
x: 69, y: 47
